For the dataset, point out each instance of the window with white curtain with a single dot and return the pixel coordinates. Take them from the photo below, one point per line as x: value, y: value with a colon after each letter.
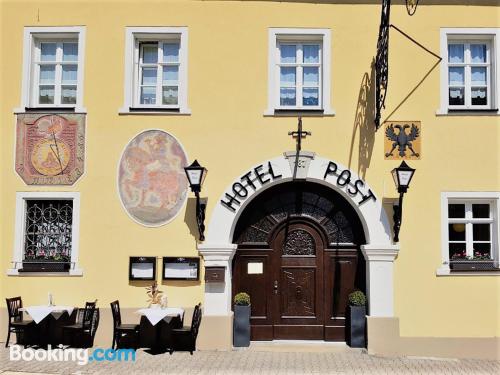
x: 299, y: 68
x: 53, y: 68
x: 156, y: 76
x: 470, y: 80
x: 469, y: 74
x: 299, y: 71
x: 56, y: 72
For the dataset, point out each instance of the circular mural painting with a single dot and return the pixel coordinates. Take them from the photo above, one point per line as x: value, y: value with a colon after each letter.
x: 151, y: 178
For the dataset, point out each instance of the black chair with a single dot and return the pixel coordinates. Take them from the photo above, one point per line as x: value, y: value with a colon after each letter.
x: 16, y: 323
x: 184, y: 339
x: 81, y: 334
x: 127, y: 331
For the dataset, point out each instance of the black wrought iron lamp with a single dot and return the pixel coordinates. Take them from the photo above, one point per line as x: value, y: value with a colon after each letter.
x: 196, y: 174
x: 402, y: 176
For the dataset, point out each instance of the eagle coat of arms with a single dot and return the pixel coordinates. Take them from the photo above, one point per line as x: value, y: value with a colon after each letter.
x: 401, y: 137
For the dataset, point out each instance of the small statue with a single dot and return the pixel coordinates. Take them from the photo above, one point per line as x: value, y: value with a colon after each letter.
x: 163, y: 301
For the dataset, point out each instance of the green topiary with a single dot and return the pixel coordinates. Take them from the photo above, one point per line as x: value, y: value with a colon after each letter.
x: 357, y: 298
x: 242, y: 299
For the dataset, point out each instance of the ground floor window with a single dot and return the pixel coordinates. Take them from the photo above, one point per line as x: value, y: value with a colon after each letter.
x: 470, y: 230
x: 48, y: 230
x: 46, y: 238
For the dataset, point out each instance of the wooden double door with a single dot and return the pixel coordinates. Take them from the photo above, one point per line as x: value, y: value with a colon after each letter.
x: 298, y: 285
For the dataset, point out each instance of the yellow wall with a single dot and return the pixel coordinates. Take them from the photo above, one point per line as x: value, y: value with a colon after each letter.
x: 227, y: 132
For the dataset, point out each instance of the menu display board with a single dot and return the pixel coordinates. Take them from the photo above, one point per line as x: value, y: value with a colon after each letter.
x: 142, y: 268
x: 181, y: 268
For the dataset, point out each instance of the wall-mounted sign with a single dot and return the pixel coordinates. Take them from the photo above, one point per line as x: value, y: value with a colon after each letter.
x: 344, y: 180
x: 257, y: 177
x: 260, y: 176
x: 181, y: 268
x: 50, y: 149
x: 142, y: 268
x: 403, y: 140
x: 151, y: 178
x: 255, y: 268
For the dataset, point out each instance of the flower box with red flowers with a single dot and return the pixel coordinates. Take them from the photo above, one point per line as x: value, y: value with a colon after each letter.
x: 477, y: 262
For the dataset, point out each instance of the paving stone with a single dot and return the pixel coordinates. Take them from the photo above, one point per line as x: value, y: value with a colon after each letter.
x: 257, y: 361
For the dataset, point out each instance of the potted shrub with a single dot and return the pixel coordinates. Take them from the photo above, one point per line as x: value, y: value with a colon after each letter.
x: 154, y: 295
x: 241, y: 325
x: 356, y: 316
x: 478, y: 262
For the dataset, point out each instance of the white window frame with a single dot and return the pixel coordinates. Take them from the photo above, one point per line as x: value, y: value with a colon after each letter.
x: 279, y: 36
x: 492, y: 198
x: 133, y: 37
x: 32, y: 37
x: 20, y: 229
x: 490, y: 36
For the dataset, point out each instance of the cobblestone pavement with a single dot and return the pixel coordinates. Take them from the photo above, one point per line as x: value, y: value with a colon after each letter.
x: 256, y: 362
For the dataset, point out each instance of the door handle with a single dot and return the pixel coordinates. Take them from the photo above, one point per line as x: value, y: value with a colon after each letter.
x: 275, y: 286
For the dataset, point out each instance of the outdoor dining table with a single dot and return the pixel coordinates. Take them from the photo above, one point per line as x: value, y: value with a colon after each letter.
x: 49, y: 322
x: 155, y: 329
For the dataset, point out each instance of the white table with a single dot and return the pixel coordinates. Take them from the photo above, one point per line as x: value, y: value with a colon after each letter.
x: 38, y: 313
x: 155, y: 315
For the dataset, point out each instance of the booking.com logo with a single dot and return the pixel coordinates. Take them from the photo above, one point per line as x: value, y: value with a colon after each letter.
x: 80, y: 356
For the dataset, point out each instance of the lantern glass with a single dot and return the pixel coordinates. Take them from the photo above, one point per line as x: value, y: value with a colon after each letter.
x: 402, y: 176
x: 195, y: 174
x: 394, y: 173
x: 405, y: 178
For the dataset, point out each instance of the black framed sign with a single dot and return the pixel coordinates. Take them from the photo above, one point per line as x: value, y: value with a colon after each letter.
x: 142, y: 268
x: 181, y: 268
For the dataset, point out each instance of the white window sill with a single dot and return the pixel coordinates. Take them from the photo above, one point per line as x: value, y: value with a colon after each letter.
x: 299, y: 112
x: 444, y: 270
x: 72, y: 273
x: 467, y: 112
x: 70, y: 110
x: 155, y: 112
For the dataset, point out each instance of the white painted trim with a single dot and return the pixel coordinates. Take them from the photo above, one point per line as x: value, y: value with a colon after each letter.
x: 326, y: 36
x: 379, y: 251
x: 20, y: 223
x: 131, y: 35
x: 444, y: 270
x: 118, y: 179
x: 492, y: 34
x: 380, y: 278
x: 492, y: 197
x: 30, y: 33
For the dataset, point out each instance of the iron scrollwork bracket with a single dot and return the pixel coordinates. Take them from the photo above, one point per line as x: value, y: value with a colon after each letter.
x: 201, y: 205
x: 398, y: 216
x: 382, y: 58
x: 382, y: 61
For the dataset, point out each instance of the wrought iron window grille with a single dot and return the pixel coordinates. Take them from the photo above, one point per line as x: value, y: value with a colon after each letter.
x: 48, y: 233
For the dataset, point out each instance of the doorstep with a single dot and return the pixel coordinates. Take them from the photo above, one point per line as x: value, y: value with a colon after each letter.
x: 301, y: 346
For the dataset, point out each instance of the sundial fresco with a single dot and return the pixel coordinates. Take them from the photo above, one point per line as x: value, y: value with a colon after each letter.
x: 50, y: 149
x: 151, y: 178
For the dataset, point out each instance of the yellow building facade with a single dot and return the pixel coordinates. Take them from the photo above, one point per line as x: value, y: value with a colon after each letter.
x: 235, y: 77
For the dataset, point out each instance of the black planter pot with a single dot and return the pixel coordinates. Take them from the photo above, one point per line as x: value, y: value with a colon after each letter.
x: 356, y: 326
x: 241, y: 326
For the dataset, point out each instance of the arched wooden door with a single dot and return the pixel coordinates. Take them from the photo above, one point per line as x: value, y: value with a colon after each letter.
x: 298, y: 257
x: 297, y: 298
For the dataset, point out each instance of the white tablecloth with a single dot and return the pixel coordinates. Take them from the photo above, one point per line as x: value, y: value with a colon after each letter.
x: 156, y: 315
x: 38, y: 313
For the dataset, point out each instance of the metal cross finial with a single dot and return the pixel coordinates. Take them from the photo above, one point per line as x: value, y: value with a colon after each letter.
x: 299, y: 134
